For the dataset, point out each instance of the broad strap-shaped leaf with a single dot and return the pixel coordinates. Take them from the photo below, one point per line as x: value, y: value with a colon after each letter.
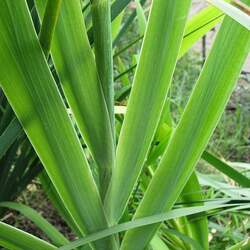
x: 193, y: 227
x: 235, y: 13
x: 196, y: 27
x: 15, y: 239
x: 116, y: 25
x: 197, y: 227
x: 32, y: 93
x: 75, y: 65
x: 156, y: 218
x: 102, y: 33
x: 158, y: 244
x: 51, y: 14
x: 199, y: 25
x: 57, y: 203
x: 142, y: 21
x: 197, y: 123
x: 152, y: 80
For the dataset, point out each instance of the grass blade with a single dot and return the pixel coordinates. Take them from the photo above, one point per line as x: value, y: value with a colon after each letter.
x: 56, y: 237
x: 146, y: 100
x: 31, y: 91
x: 222, y: 186
x: 198, y: 121
x: 226, y: 169
x: 176, y: 213
x: 142, y: 21
x: 9, y: 136
x: 13, y: 238
x: 243, y: 245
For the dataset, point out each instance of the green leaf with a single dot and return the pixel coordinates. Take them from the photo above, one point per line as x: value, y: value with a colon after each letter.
x: 75, y: 64
x: 117, y: 7
x: 15, y: 239
x: 101, y: 18
x: 201, y: 115
x: 226, y: 169
x: 142, y: 22
x: 57, y: 202
x: 198, y: 26
x: 32, y: 92
x: 18, y: 167
x: 126, y: 24
x: 235, y: 13
x: 189, y: 242
x: 243, y: 245
x: 6, y: 117
x: 198, y: 226
x: 49, y: 24
x: 158, y: 244
x: 52, y: 233
x: 8, y: 137
x: 222, y: 186
x: 152, y: 80
x: 176, y: 213
x: 116, y: 25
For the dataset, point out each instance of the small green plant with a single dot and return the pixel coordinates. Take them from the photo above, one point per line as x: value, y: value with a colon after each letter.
x: 65, y: 104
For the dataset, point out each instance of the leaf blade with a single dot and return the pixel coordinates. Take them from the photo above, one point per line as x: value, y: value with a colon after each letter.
x: 146, y: 101
x: 11, y: 236
x: 75, y: 64
x: 38, y: 105
x: 56, y: 237
x: 195, y: 127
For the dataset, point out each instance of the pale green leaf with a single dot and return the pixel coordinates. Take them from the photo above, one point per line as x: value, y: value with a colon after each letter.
x: 201, y: 115
x: 102, y: 33
x: 235, y: 13
x: 152, y: 80
x: 142, y: 22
